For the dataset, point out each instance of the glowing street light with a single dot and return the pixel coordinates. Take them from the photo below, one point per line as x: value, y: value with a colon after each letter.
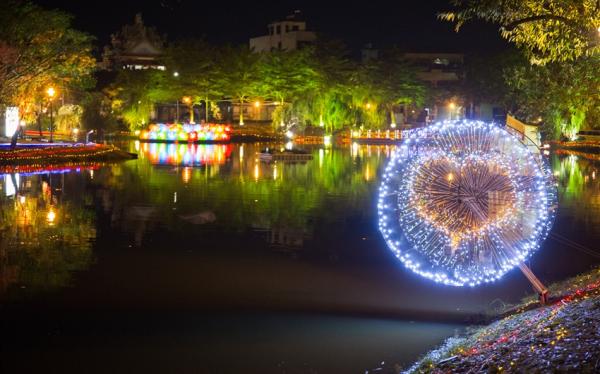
x: 51, y: 92
x: 368, y: 105
x: 257, y: 104
x: 451, y: 108
x: 176, y: 74
x: 51, y: 216
x: 188, y: 101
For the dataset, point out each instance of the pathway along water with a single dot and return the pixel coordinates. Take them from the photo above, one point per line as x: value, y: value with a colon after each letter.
x: 201, y: 258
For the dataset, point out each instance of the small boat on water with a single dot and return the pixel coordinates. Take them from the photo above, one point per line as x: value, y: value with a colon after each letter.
x: 294, y: 155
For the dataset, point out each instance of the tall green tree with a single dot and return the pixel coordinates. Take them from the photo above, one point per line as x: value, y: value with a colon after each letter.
x: 549, y: 30
x: 285, y: 76
x: 565, y: 96
x: 197, y: 64
x: 39, y: 48
x: 238, y: 74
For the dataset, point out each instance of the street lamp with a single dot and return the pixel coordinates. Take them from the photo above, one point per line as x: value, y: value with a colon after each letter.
x: 51, y: 216
x: 188, y: 101
x: 51, y: 93
x: 451, y: 107
x: 176, y: 75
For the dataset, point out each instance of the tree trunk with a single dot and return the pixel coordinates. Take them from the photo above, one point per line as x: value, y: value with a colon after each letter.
x: 241, y: 112
x: 206, y: 111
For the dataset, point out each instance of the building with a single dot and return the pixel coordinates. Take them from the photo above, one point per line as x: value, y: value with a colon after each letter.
x: 438, y: 69
x: 288, y: 35
x: 134, y: 47
x: 368, y: 53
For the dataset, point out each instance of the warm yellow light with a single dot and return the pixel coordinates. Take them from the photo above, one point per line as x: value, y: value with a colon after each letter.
x: 450, y: 177
x: 257, y: 103
x: 368, y: 105
x: 186, y: 99
x: 51, y: 92
x: 451, y: 105
x: 51, y: 216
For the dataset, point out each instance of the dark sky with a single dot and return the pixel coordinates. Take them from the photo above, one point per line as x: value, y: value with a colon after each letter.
x: 411, y: 25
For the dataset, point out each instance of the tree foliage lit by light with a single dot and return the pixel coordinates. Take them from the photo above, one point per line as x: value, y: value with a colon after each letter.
x: 552, y: 30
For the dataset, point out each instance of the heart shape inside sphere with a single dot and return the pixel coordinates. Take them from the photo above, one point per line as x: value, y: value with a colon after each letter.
x: 463, y: 197
x: 465, y: 202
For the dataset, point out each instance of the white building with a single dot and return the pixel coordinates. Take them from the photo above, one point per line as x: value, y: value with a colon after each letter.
x: 288, y: 35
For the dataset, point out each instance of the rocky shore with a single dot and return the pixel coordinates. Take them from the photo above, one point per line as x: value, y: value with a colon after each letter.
x: 563, y: 336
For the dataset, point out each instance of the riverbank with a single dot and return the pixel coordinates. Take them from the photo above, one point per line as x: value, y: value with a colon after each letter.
x: 562, y: 336
x: 587, y: 146
x: 51, y: 154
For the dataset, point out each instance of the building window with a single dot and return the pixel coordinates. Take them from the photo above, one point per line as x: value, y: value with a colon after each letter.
x: 295, y: 28
x: 278, y: 29
x: 270, y: 30
x: 287, y: 28
x: 279, y: 45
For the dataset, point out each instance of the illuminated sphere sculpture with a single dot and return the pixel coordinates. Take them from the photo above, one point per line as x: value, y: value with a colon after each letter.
x: 463, y: 203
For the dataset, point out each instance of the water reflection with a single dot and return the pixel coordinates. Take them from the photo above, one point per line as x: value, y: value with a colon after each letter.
x: 45, y: 230
x: 233, y: 190
x: 578, y: 187
x: 230, y: 233
x: 184, y: 154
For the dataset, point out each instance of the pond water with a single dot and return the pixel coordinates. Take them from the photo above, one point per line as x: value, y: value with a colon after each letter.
x: 201, y: 258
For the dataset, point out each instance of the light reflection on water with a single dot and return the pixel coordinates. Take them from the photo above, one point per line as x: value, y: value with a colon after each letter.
x: 210, y: 227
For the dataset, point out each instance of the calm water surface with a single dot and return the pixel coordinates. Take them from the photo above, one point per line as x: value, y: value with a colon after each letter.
x: 203, y: 259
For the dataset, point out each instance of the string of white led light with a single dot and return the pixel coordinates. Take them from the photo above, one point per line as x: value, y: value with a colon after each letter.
x: 464, y: 202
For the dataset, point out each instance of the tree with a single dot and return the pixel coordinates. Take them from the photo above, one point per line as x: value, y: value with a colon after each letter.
x: 285, y: 76
x: 197, y: 65
x: 39, y: 48
x: 98, y: 112
x: 238, y: 74
x: 398, y: 83
x: 550, y: 30
x: 68, y: 117
x: 133, y: 95
x: 328, y: 102
x: 564, y: 96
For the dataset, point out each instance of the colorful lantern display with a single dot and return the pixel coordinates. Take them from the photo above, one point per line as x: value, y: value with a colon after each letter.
x: 186, y: 133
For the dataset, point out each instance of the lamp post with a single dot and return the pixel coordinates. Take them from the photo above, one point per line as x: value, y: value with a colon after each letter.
x: 176, y: 75
x: 51, y: 93
x: 451, y: 108
x: 188, y: 100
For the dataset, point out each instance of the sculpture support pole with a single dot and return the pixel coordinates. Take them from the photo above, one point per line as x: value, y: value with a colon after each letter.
x: 537, y: 284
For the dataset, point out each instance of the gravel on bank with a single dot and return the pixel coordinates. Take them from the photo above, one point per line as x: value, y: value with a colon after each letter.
x: 563, y: 336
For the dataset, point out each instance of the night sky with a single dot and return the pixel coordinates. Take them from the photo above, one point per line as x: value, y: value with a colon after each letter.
x: 410, y: 25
